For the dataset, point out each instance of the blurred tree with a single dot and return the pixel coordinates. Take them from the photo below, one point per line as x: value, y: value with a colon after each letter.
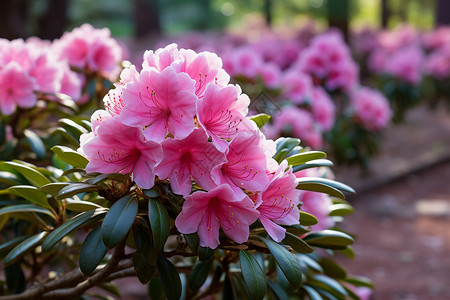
x: 338, y: 15
x: 385, y: 13
x: 442, y: 12
x: 13, y: 19
x: 53, y: 22
x: 146, y: 18
x: 268, y: 11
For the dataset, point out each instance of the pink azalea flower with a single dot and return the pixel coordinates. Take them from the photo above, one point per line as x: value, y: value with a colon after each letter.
x: 438, y: 62
x: 162, y: 58
x: 48, y: 74
x: 323, y: 109
x: 221, y: 111
x: 297, y: 86
x: 246, y: 164
x: 16, y: 89
x: 114, y: 99
x: 278, y: 203
x: 406, y: 64
x: 71, y: 83
x: 193, y: 157
x: 116, y: 147
x: 270, y: 74
x: 160, y: 102
x: 371, y: 108
x: 207, y: 212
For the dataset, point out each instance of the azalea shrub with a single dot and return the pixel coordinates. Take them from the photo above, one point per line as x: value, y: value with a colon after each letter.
x: 174, y: 183
x: 310, y: 86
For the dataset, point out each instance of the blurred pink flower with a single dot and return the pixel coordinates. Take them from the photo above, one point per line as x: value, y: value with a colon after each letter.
x: 371, y: 108
x: 323, y: 109
x: 193, y: 157
x: 437, y: 63
x: 297, y: 86
x: 317, y: 204
x: 207, y: 212
x: 406, y: 64
x: 116, y: 147
x: 278, y: 203
x: 161, y: 103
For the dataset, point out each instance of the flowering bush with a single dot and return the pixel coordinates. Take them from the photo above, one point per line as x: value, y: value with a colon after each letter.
x: 174, y: 178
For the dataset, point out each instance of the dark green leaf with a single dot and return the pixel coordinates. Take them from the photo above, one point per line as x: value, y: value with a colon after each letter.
x: 155, y: 291
x: 82, y: 219
x: 75, y: 129
x: 227, y: 292
x: 313, y: 164
x: 9, y: 178
x: 73, y: 170
x: 328, y: 182
x: 193, y: 241
x: 330, y: 285
x: 312, y: 293
x: 53, y: 188
x: 24, y: 247
x: 307, y: 219
x: 170, y: 280
x: 36, y: 144
x: 308, y: 262
x: 77, y: 188
x: 21, y: 208
x: 159, y: 223
x: 31, y: 193
x: 15, y: 278
x: 332, y: 269
x: 144, y: 259
x: 92, y: 251
x: 32, y: 175
x: 319, y: 187
x: 253, y: 274
x: 284, y: 147
x: 297, y: 243
x: 70, y: 156
x: 118, y: 220
x: 152, y: 193
x: 80, y: 206
x: 297, y: 229
x: 70, y: 138
x: 359, y: 281
x: 329, y: 239
x: 341, y: 209
x: 199, y: 274
x: 286, y: 261
x: 260, y: 119
x: 304, y: 157
x: 10, y: 244
x: 277, y: 291
x: 205, y: 253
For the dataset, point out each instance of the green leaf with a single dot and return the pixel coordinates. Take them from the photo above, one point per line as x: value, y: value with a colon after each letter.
x: 70, y: 138
x: 31, y: 193
x: 227, y: 292
x: 307, y: 219
x: 36, y: 144
x: 297, y: 243
x: 10, y: 244
x: 53, y: 188
x: 72, y: 127
x: 22, y: 208
x: 152, y: 193
x: 77, y: 188
x: 155, y: 291
x: 260, y: 119
x: 297, y: 229
x: 341, y: 209
x: 118, y: 220
x: 70, y: 156
x: 313, y: 164
x: 328, y: 284
x: 359, y: 281
x: 82, y: 219
x: 328, y: 182
x: 277, y: 291
x: 312, y: 293
x: 24, y: 247
x: 80, y: 206
x: 73, y: 170
x: 205, y: 253
x: 170, y: 280
x: 329, y: 239
x: 159, y: 223
x: 199, y: 274
x: 253, y: 274
x: 304, y: 157
x: 286, y: 261
x: 193, y: 241
x: 32, y: 175
x: 15, y: 278
x: 307, y: 261
x: 144, y: 261
x: 9, y: 178
x: 320, y: 188
x: 332, y: 269
x: 92, y: 251
x: 284, y: 147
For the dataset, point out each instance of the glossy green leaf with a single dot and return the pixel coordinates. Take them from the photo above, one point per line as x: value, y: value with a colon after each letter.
x: 329, y: 239
x: 118, y: 220
x: 30, y: 193
x: 72, y: 171
x: 332, y: 269
x: 313, y: 164
x: 152, y: 193
x: 92, y: 251
x: 36, y: 144
x: 320, y: 188
x: 277, y: 291
x: 193, y: 241
x: 77, y: 188
x: 24, y: 247
x: 286, y: 261
x: 6, y: 246
x: 297, y: 243
x: 70, y: 156
x: 170, y: 280
x: 32, y: 175
x: 297, y: 229
x: 22, y: 208
x: 312, y: 293
x: 53, y: 188
x: 260, y: 119
x: 304, y: 157
x: 78, y: 221
x: 74, y: 129
x: 199, y: 274
x: 359, y: 281
x: 205, y: 253
x: 9, y: 178
x: 284, y: 147
x: 329, y: 284
x: 253, y: 274
x: 159, y: 223
x: 70, y: 138
x: 341, y: 209
x: 306, y: 261
x: 307, y: 219
x: 332, y: 183
x: 144, y: 261
x: 80, y: 206
x: 155, y: 290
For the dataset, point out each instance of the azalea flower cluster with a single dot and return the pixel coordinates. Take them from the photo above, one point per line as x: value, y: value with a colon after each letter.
x: 179, y: 119
x: 33, y: 67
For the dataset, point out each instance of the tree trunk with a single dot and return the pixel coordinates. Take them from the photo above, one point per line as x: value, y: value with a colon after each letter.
x: 268, y: 12
x: 442, y: 12
x: 13, y: 19
x: 54, y: 21
x: 385, y: 13
x: 146, y: 18
x: 338, y: 15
